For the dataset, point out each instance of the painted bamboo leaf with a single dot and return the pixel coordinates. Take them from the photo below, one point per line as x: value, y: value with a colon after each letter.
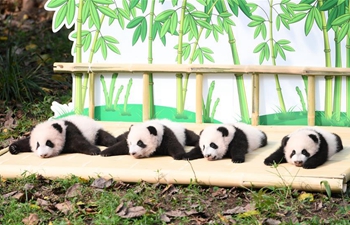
x: 194, y: 28
x: 302, y: 7
x: 61, y: 14
x: 163, y: 16
x: 70, y: 12
x: 144, y: 4
x: 341, y: 20
x: 267, y: 52
x: 199, y: 14
x: 173, y: 23
x: 104, y: 2
x: 143, y: 30
x: 126, y: 7
x: 133, y: 3
x: 95, y: 17
x: 327, y: 5
x: 259, y: 47
x: 202, y: 2
x: 318, y: 19
x: 104, y: 49
x: 165, y: 28
x: 107, y: 11
x: 86, y: 41
x: 288, y: 48
x: 135, y: 22
x: 298, y: 17
x: 204, y: 24
x: 55, y: 3
x: 344, y: 30
x: 136, y: 35
x: 174, y: 2
x: 113, y: 48
x: 111, y: 39
x: 86, y: 10
x: 309, y: 21
x: 209, y: 57
x: 98, y: 44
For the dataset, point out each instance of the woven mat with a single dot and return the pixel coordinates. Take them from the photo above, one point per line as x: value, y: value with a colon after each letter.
x: 252, y: 173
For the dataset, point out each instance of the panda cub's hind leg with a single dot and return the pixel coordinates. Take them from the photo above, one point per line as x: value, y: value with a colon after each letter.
x: 21, y: 145
x: 192, y: 139
x: 119, y: 148
x: 104, y: 138
x: 238, y: 147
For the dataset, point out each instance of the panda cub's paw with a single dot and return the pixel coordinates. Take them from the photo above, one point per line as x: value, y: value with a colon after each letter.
x: 179, y: 156
x: 310, y: 165
x: 238, y: 160
x: 94, y: 151
x: 14, y: 149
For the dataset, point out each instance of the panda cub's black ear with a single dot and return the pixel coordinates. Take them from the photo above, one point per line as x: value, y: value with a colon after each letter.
x: 152, y: 130
x: 57, y: 127
x: 223, y: 130
x: 284, y: 141
x: 314, y: 138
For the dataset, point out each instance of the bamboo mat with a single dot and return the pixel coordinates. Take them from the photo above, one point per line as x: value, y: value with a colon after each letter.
x: 252, y: 173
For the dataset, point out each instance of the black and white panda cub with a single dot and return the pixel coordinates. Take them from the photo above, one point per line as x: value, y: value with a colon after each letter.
x: 227, y: 141
x: 71, y: 134
x: 308, y: 147
x: 153, y: 137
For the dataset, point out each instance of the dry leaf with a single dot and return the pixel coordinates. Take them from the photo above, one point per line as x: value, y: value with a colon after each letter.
x: 32, y: 219
x: 102, y: 183
x: 164, y: 218
x: 133, y: 212
x: 73, y: 191
x: 65, y: 207
x: 271, y: 222
x: 306, y: 197
x: 175, y: 213
x: 235, y: 210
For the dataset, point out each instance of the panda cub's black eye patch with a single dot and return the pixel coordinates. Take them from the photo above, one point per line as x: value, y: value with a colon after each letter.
x: 141, y: 144
x: 306, y: 153
x: 213, y: 145
x: 293, y: 153
x: 49, y: 144
x: 37, y: 145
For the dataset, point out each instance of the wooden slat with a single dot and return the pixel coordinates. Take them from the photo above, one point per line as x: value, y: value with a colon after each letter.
x: 199, y: 97
x: 255, y: 100
x: 311, y: 101
x: 193, y: 68
x: 145, y: 96
x: 91, y: 95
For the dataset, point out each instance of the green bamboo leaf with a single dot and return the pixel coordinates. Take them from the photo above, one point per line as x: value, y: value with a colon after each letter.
x: 341, y: 20
x: 70, y: 12
x: 136, y: 35
x: 155, y: 27
x: 86, y: 42
x: 340, y: 2
x: 288, y: 48
x: 194, y: 28
x: 327, y: 5
x: 173, y: 23
x: 190, y: 7
x: 126, y: 7
x: 209, y: 57
x: 234, y: 7
x: 301, y: 7
x: 218, y: 29
x: 163, y: 39
x: 285, y: 23
x: 56, y: 3
x: 60, y: 15
x: 207, y: 50
x: 207, y: 33
x: 107, y: 11
x: 83, y: 33
x: 257, y: 31
x: 285, y: 1
x: 307, y: 2
x: 195, y: 55
x: 200, y: 57
x: 254, y: 23
x: 143, y: 30
x: 174, y: 2
x: 267, y: 52
x: 186, y: 52
x: 284, y: 9
x: 113, y: 48
x: 229, y: 22
x: 332, y: 15
x: 204, y: 24
x: 259, y: 47
x: 164, y: 15
x: 98, y: 44
x: 133, y: 3
x: 297, y: 17
x: 216, y: 35
x: 342, y: 32
x: 252, y: 7
x: 290, y: 10
x: 309, y: 22
x: 283, y: 42
x: 144, y: 4
x: 257, y: 18
x: 121, y: 21
x: 90, y: 22
x: 124, y: 13
x: 278, y: 22
x: 104, y: 2
x: 218, y: 6
x: 318, y: 19
x: 86, y: 10
x: 225, y: 15
x: 199, y: 14
x: 202, y: 2
x: 133, y: 12
x: 219, y: 22
x: 263, y: 31
x: 111, y: 39
x: 243, y: 5
x: 281, y: 53
x: 104, y: 50
x: 135, y: 22
x: 190, y: 36
x: 261, y: 57
x: 165, y: 28
x: 94, y: 16
x: 276, y: 49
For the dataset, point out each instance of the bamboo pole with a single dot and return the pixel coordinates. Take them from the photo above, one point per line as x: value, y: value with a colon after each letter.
x: 255, y: 100
x: 311, y: 101
x: 91, y: 95
x: 199, y: 97
x: 199, y: 68
x: 145, y: 96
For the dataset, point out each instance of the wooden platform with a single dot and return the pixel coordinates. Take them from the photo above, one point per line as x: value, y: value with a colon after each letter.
x: 166, y: 170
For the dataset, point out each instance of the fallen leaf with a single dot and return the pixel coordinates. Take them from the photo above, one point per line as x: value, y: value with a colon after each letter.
x: 65, y: 207
x: 32, y: 219
x: 306, y: 197
x: 133, y: 212
x: 271, y: 222
x: 102, y: 183
x: 235, y: 210
x: 175, y: 213
x: 28, y: 187
x: 248, y: 213
x: 12, y: 193
x: 42, y: 202
x: 164, y: 218
x: 73, y: 191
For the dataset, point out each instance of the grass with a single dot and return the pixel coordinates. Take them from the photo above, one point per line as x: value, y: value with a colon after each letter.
x: 34, y: 199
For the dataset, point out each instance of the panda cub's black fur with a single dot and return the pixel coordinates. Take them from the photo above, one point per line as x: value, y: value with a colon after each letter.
x: 153, y: 137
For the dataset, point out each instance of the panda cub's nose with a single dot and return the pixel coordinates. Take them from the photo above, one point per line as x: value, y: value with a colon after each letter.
x: 298, y: 163
x: 43, y: 156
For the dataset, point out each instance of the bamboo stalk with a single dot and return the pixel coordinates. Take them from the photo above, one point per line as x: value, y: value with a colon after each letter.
x: 311, y: 101
x: 92, y: 95
x: 145, y: 102
x: 255, y: 100
x: 199, y: 97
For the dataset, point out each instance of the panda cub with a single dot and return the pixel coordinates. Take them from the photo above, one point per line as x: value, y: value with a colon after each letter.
x: 227, y: 141
x: 72, y: 134
x: 153, y: 137
x: 307, y: 147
